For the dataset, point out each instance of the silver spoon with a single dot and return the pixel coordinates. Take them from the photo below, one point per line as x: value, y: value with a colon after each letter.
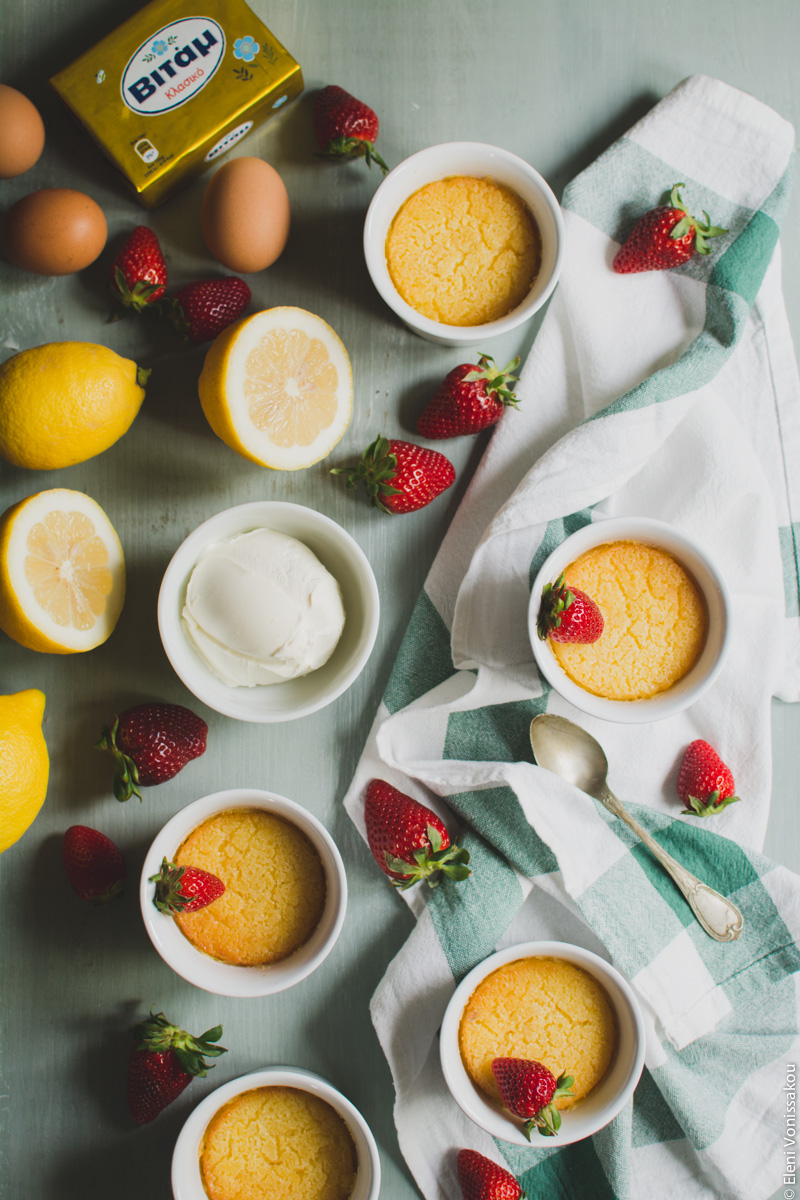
x: 567, y: 750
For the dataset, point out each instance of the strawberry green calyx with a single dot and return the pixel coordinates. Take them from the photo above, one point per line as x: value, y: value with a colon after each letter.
x: 169, y: 897
x: 139, y: 298
x: 353, y: 147
x: 556, y: 598
x: 708, y: 807
x: 376, y: 469
x: 430, y: 864
x: 126, y: 773
x: 548, y: 1119
x: 702, y: 231
x: 157, y: 1035
x: 496, y: 380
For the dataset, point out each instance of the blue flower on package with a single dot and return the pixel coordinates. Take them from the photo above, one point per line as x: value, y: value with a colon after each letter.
x: 246, y: 48
x: 159, y: 47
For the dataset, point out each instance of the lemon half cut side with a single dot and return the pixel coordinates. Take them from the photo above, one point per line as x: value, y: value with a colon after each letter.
x: 277, y: 387
x: 62, y: 573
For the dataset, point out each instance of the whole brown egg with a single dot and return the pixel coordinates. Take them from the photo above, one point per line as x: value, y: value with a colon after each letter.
x: 21, y: 133
x: 54, y: 231
x: 245, y: 215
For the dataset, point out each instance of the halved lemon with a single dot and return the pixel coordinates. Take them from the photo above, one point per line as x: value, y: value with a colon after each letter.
x: 62, y: 573
x: 277, y: 387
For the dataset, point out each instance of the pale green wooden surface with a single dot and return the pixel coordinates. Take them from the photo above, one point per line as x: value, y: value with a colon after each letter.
x: 554, y: 82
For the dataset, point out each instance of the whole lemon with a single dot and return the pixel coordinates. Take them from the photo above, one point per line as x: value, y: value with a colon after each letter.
x: 64, y: 402
x: 24, y: 764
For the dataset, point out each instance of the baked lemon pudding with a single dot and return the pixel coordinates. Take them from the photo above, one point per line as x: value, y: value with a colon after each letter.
x: 655, y: 622
x: 463, y: 251
x: 275, y: 887
x: 277, y: 1143
x: 543, y: 1009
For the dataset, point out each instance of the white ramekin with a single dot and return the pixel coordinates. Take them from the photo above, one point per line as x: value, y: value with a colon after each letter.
x: 187, y: 1183
x: 225, y: 979
x: 337, y: 551
x: 603, y: 1102
x: 690, y: 554
x: 483, y: 161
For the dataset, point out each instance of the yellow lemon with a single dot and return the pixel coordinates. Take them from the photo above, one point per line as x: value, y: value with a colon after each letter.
x: 277, y: 387
x: 24, y: 764
x: 65, y: 402
x: 62, y: 573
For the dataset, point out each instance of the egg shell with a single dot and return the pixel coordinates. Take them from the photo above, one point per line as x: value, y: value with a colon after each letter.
x: 21, y: 133
x: 245, y: 215
x: 55, y: 231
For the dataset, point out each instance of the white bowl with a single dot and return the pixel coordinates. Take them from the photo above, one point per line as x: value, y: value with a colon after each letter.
x: 225, y: 979
x: 690, y: 554
x: 472, y: 159
x: 187, y: 1183
x: 603, y: 1102
x: 337, y: 551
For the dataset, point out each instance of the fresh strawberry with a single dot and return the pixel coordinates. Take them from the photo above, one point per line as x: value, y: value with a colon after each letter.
x: 705, y: 784
x: 400, y: 477
x: 408, y: 841
x: 482, y: 1179
x: 529, y: 1090
x: 139, y: 273
x: 200, y: 311
x: 469, y: 399
x: 150, y: 744
x: 94, y: 865
x: 568, y: 614
x: 164, y: 1060
x: 345, y: 127
x: 184, y: 889
x: 665, y: 237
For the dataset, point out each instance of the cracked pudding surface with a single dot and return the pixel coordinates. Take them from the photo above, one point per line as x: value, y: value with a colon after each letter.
x: 463, y: 251
x: 275, y: 887
x: 278, y: 1143
x: 544, y: 1009
x: 655, y: 622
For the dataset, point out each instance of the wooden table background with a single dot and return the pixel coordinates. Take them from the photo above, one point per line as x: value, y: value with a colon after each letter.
x: 554, y: 82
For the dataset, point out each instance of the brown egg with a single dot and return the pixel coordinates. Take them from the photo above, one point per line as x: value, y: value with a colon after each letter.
x: 21, y: 133
x: 245, y: 215
x: 53, y: 232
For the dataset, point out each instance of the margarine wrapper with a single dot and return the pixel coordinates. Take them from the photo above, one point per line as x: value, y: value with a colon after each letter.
x: 173, y: 88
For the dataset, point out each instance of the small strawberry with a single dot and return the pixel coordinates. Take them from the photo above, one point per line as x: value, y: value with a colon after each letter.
x: 528, y: 1090
x: 482, y: 1179
x: 408, y: 841
x: 705, y: 784
x: 568, y: 614
x: 469, y: 399
x: 184, y: 889
x: 200, y: 311
x: 665, y: 237
x: 345, y: 127
x: 94, y: 865
x: 400, y: 477
x: 139, y: 273
x: 150, y: 744
x: 164, y: 1060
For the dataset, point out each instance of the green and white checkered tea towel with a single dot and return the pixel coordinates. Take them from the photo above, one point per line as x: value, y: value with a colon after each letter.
x: 668, y: 394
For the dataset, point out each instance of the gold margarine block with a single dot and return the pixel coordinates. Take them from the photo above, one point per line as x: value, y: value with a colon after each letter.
x: 170, y: 91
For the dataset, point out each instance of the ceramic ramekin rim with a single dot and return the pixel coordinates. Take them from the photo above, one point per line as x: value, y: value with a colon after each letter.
x: 186, y: 663
x: 675, y: 540
x: 481, y: 154
x: 479, y: 1109
x: 186, y: 1179
x: 225, y: 979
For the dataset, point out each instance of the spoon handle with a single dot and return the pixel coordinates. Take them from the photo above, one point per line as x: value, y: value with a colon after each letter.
x: 719, y: 917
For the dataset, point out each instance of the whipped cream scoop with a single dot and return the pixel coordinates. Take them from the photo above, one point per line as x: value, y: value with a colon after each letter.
x: 261, y: 608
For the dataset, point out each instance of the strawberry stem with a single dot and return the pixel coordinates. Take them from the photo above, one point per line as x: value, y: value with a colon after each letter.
x: 548, y: 1119
x: 158, y: 1035
x: 432, y: 864
x: 375, y: 470
x: 556, y: 598
x: 126, y: 773
x: 702, y: 231
x: 708, y: 807
x: 496, y: 380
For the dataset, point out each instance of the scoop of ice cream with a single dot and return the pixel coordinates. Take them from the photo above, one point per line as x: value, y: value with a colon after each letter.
x: 261, y: 608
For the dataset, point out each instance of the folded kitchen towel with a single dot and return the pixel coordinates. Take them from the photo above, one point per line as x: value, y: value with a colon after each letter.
x: 674, y: 395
